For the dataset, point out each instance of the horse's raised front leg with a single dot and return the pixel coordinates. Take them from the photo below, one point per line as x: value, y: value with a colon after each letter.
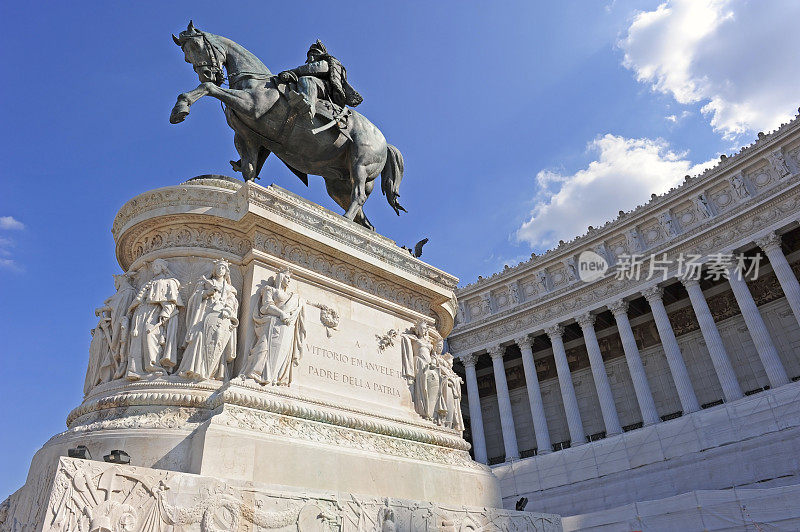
x: 240, y: 100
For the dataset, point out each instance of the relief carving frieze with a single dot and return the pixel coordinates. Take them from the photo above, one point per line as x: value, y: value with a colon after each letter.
x: 341, y: 271
x: 94, y: 496
x: 315, y: 217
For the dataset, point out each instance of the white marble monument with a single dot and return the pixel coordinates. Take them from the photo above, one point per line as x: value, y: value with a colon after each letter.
x: 267, y: 365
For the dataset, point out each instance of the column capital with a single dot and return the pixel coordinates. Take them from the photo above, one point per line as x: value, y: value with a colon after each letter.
x: 556, y: 330
x: 654, y: 292
x: 770, y: 241
x: 618, y: 307
x: 689, y: 281
x: 586, y: 320
x: 470, y: 360
x: 524, y: 342
x: 496, y: 351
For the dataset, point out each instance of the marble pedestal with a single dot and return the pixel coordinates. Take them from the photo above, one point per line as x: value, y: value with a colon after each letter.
x: 346, y: 422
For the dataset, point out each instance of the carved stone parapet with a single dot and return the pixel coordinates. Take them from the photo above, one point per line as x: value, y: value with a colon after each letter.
x: 555, y: 331
x: 586, y: 320
x: 654, y: 292
x: 618, y: 307
x: 770, y: 241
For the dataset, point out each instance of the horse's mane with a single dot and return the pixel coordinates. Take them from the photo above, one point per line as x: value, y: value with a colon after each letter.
x: 255, y: 64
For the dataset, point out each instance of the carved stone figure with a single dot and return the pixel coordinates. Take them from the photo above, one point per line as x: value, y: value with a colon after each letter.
x: 544, y: 283
x: 572, y: 271
x: 513, y: 294
x: 634, y: 242
x: 739, y: 187
x: 448, y: 410
x: 154, y: 325
x: 345, y: 148
x: 322, y: 76
x: 280, y: 332
x: 419, y: 350
x: 668, y: 224
x: 108, y: 349
x: 211, y: 323
x: 702, y: 206
x: 778, y: 162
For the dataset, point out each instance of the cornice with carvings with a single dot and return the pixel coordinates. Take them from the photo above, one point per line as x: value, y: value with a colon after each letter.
x: 170, y: 393
x: 234, y: 198
x: 747, y: 221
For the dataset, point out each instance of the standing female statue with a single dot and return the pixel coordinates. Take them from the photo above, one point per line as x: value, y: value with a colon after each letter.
x: 211, y: 327
x: 280, y: 332
x: 154, y: 329
x: 449, y: 407
x: 107, y: 352
x: 419, y: 349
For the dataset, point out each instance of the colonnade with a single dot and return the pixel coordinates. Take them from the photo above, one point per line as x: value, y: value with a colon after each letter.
x: 767, y: 353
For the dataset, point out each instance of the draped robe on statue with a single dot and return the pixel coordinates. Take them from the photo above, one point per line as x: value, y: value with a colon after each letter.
x: 154, y: 330
x: 107, y: 356
x: 419, y: 369
x: 449, y: 405
x: 210, y: 330
x: 279, y: 341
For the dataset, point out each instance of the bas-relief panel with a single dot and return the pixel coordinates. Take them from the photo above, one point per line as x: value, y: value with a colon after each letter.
x: 347, y: 362
x: 90, y: 495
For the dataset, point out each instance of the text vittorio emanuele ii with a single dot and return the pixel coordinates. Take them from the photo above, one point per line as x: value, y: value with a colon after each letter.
x: 352, y: 371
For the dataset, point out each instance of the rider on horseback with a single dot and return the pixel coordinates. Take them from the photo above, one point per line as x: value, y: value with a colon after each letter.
x: 322, y: 76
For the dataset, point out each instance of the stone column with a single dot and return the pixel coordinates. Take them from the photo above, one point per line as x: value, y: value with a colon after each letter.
x: 716, y: 349
x: 534, y: 396
x: 672, y: 351
x: 504, y: 403
x: 475, y: 414
x: 771, y: 244
x: 576, y: 434
x: 757, y: 328
x: 607, y: 406
x: 643, y: 395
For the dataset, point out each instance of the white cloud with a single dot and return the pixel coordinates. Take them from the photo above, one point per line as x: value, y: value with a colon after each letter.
x: 9, y: 222
x: 625, y: 173
x: 738, y: 58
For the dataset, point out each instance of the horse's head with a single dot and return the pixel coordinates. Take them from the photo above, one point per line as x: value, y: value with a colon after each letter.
x: 206, y: 56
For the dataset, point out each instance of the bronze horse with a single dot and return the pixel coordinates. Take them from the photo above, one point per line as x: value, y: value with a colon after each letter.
x: 260, y: 110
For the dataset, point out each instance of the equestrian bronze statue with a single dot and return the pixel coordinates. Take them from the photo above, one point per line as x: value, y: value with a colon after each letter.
x: 300, y: 115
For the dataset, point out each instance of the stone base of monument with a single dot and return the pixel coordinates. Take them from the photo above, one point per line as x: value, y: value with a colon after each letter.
x: 88, y: 495
x: 267, y: 365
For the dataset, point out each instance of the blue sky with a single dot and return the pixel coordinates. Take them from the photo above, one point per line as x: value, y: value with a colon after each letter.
x: 521, y: 123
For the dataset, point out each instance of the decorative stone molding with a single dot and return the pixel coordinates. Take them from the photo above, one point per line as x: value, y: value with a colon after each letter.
x: 769, y: 241
x: 689, y: 281
x: 555, y: 331
x: 470, y: 360
x: 586, y: 320
x: 524, y: 342
x: 497, y: 351
x: 618, y: 307
x: 654, y: 292
x: 313, y: 216
x: 282, y: 401
x: 76, y: 494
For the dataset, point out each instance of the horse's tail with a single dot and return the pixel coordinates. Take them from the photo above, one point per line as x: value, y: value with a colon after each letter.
x: 391, y: 175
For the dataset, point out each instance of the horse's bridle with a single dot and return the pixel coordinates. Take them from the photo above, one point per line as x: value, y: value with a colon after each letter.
x: 214, y: 63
